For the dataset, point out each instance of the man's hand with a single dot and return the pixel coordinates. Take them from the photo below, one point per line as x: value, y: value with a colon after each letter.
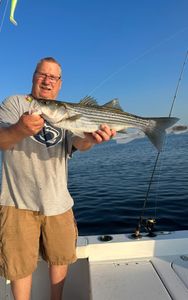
x: 30, y: 124
x: 102, y: 135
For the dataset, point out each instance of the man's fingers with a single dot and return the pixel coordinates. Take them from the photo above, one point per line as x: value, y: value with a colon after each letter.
x: 31, y: 124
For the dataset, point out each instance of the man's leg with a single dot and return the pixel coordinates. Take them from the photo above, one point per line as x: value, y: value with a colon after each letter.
x: 57, y: 277
x: 20, y: 230
x: 59, y: 235
x: 21, y: 288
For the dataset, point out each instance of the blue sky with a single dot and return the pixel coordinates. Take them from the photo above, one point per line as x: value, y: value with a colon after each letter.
x: 127, y: 49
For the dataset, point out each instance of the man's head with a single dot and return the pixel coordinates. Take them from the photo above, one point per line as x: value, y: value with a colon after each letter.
x: 47, y: 79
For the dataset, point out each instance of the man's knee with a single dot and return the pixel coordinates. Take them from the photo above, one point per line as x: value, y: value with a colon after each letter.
x: 58, y: 273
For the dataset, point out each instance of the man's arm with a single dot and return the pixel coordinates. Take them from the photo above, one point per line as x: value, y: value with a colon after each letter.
x: 26, y: 126
x: 97, y: 137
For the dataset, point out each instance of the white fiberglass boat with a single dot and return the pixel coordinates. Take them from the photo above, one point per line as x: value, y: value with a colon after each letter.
x: 119, y: 267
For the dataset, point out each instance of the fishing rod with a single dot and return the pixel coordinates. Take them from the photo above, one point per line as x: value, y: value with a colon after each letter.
x: 149, y: 223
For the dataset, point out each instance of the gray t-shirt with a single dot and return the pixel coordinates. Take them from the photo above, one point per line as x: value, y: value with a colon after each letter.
x: 34, y: 171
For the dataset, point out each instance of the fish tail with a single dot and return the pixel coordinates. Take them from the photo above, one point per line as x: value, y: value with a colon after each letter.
x: 155, y: 131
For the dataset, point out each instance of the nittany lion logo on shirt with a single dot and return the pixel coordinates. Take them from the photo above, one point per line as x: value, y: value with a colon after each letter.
x: 49, y: 135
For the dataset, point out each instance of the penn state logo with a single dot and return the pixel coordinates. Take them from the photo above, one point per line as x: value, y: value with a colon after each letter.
x: 49, y: 135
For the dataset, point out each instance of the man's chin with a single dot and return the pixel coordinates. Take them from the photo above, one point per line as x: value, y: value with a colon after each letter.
x: 45, y: 96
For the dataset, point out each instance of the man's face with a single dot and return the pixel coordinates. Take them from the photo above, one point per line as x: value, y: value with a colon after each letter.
x: 47, y: 81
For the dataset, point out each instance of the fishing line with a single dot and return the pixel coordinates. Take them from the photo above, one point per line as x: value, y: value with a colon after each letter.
x: 178, y: 84
x: 136, y: 234
x: 5, y: 10
x: 170, y: 113
x: 147, y: 51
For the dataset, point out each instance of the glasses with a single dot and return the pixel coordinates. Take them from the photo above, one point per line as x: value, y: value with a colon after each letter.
x: 43, y: 76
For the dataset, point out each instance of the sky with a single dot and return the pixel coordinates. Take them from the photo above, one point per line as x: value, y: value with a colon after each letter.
x: 127, y: 49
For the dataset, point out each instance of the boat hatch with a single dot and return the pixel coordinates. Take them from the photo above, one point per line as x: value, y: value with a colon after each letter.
x: 126, y: 280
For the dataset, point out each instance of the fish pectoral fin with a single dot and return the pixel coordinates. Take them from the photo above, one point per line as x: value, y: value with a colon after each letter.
x: 75, y: 117
x: 114, y: 103
x: 123, y: 131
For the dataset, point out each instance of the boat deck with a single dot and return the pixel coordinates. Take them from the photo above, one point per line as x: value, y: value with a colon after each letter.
x: 121, y: 269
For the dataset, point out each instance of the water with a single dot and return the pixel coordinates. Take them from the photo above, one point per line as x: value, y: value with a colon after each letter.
x: 109, y: 185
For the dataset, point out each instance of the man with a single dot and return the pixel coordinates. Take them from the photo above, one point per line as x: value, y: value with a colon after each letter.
x: 35, y: 205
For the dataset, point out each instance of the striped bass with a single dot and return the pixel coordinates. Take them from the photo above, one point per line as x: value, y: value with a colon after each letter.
x: 87, y: 116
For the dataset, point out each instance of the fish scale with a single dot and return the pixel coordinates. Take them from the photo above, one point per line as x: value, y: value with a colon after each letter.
x: 121, y: 117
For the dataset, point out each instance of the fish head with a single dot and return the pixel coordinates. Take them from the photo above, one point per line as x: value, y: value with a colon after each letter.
x: 50, y: 110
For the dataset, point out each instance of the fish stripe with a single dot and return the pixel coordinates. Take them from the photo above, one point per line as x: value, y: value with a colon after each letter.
x: 103, y: 115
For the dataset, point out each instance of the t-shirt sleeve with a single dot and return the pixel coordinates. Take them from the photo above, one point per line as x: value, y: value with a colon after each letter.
x: 9, y: 111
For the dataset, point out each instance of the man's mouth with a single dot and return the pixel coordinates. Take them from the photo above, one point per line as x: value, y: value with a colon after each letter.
x: 46, y: 88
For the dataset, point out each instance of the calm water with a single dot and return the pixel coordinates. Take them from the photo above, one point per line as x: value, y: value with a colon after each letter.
x: 109, y: 185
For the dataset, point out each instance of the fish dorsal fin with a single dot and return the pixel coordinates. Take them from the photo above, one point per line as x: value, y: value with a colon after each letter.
x: 114, y: 103
x: 88, y: 100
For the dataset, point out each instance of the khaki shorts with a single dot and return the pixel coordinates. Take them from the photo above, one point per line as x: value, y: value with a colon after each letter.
x: 23, y: 233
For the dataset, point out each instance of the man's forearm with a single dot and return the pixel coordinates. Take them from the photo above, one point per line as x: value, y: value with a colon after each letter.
x: 9, y: 136
x: 26, y: 126
x: 82, y: 144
